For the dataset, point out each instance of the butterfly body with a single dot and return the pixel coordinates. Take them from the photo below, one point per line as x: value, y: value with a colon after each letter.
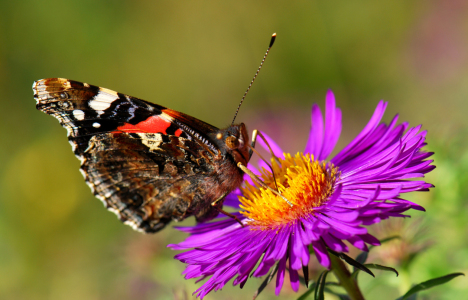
x: 147, y: 163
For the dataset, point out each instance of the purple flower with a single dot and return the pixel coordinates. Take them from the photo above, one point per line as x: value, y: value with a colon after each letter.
x: 322, y: 203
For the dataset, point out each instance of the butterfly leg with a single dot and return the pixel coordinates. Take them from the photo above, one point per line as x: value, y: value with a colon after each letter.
x: 230, y: 215
x: 223, y: 211
x: 254, y: 140
x: 255, y: 135
x: 252, y: 150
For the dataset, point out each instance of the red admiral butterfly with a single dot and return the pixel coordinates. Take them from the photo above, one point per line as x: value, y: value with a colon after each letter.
x: 147, y: 163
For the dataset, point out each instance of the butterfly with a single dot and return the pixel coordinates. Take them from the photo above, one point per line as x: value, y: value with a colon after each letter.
x: 148, y: 164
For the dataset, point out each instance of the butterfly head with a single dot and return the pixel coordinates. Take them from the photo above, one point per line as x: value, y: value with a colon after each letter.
x: 234, y: 140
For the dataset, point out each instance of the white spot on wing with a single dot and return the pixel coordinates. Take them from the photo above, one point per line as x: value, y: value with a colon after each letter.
x: 78, y: 114
x: 103, y: 99
x: 96, y: 125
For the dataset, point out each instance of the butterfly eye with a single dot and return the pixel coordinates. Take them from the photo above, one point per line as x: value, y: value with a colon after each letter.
x: 232, y: 142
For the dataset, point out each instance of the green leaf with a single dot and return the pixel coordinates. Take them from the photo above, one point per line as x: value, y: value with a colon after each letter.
x: 308, y: 292
x: 266, y: 281
x: 340, y: 296
x: 362, y: 257
x: 319, y: 288
x: 380, y: 267
x: 352, y: 262
x: 429, y: 284
x: 318, y: 284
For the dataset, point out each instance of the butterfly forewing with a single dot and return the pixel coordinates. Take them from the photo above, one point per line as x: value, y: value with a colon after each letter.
x: 147, y: 163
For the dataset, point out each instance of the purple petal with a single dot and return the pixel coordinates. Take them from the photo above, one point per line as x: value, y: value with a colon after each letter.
x: 314, y: 144
x: 321, y: 253
x: 375, y: 119
x: 293, y: 278
x: 295, y: 250
x: 332, y: 126
x: 280, y: 274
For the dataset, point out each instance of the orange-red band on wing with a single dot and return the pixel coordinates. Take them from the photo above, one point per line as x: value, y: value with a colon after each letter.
x: 153, y: 124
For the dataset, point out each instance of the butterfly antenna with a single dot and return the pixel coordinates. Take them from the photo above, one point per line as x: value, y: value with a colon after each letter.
x: 273, y: 37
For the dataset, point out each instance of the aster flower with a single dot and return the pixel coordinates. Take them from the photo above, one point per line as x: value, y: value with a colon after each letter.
x: 331, y: 201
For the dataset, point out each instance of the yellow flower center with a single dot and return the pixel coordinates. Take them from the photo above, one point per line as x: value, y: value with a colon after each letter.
x: 305, y: 182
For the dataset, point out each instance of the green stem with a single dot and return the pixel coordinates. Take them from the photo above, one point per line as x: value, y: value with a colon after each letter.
x: 344, y: 276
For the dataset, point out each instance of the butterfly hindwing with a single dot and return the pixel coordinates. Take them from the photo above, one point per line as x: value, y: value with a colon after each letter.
x: 147, y: 163
x: 146, y: 178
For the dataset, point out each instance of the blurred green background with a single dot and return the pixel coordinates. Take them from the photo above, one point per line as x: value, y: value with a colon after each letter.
x: 58, y: 242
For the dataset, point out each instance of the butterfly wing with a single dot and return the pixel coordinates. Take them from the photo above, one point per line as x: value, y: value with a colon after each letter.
x: 147, y: 163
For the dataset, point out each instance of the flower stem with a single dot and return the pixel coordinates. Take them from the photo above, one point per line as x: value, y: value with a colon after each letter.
x: 344, y: 276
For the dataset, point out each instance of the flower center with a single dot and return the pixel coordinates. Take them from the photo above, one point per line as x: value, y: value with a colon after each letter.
x: 305, y: 182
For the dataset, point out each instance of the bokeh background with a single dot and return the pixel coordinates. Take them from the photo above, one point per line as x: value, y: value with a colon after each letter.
x: 56, y: 239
